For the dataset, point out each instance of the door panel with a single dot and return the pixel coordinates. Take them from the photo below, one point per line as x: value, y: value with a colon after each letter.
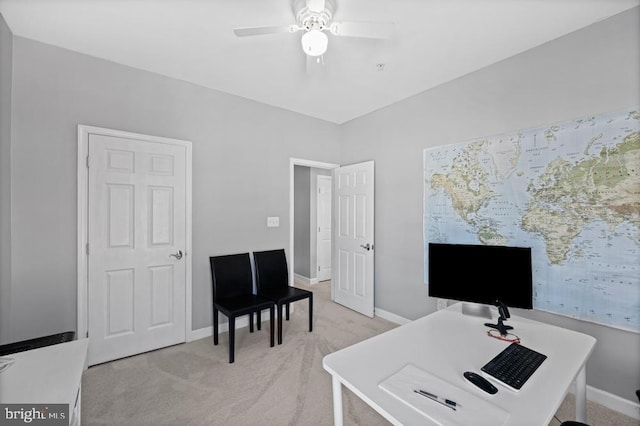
x: 324, y: 228
x: 360, y: 274
x: 119, y: 297
x: 137, y: 221
x: 354, y: 237
x: 120, y: 215
x: 160, y: 216
x: 162, y: 287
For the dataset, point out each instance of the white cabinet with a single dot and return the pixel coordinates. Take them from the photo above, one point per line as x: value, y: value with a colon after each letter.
x: 48, y: 375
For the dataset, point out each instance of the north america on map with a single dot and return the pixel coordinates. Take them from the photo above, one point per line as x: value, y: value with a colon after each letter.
x: 569, y: 190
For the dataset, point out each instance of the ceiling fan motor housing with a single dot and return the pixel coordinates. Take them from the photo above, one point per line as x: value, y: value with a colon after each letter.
x: 313, y: 20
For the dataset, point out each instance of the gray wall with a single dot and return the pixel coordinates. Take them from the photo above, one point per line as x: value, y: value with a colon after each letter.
x: 590, y: 71
x: 301, y: 207
x: 241, y: 152
x: 6, y: 67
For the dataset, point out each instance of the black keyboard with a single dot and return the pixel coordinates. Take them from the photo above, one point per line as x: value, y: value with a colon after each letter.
x: 514, y: 365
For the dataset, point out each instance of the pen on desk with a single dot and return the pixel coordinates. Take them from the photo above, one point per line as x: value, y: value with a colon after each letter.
x: 445, y: 402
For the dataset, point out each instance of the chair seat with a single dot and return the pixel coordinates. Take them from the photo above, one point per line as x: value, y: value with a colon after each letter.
x: 285, y: 294
x: 241, y: 305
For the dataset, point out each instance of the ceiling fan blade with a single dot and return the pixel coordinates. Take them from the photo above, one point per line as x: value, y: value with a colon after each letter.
x: 315, y: 5
x: 362, y: 29
x: 257, y: 31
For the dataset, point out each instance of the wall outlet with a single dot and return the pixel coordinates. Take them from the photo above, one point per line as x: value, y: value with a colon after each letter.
x: 441, y: 304
x: 273, y: 221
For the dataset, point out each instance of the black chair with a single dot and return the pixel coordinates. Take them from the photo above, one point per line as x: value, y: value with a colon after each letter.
x: 272, y: 282
x: 233, y: 295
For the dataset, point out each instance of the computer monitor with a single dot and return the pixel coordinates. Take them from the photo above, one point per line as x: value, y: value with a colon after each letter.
x: 481, y: 274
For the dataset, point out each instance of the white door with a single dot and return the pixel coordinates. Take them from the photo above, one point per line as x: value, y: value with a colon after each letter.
x: 324, y: 228
x: 353, y: 237
x: 137, y: 235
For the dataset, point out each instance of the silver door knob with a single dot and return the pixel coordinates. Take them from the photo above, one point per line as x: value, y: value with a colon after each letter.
x: 367, y: 246
x: 177, y: 255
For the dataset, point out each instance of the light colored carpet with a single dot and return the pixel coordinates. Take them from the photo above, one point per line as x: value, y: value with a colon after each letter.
x: 193, y: 384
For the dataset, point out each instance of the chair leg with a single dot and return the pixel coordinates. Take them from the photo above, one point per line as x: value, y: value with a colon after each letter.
x: 287, y: 309
x: 215, y: 326
x: 259, y: 319
x: 311, y: 312
x: 279, y: 324
x: 232, y: 338
x: 271, y: 321
x: 251, y: 322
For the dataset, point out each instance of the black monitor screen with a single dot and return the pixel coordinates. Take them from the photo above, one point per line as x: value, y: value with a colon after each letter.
x: 481, y: 274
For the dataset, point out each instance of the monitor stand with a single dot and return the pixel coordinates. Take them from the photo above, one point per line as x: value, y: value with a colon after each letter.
x: 503, y: 310
x: 500, y: 326
x: 476, y: 310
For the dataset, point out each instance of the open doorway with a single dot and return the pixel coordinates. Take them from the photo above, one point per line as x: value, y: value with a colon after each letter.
x: 310, y: 225
x: 352, y: 248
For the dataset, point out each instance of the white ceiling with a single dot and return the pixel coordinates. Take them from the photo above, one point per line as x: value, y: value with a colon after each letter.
x: 434, y: 41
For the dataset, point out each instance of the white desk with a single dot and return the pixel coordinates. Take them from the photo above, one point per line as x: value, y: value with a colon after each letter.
x: 48, y: 375
x: 448, y: 343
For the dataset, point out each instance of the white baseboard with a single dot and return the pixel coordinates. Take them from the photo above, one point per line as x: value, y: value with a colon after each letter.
x: 204, y: 332
x: 614, y: 402
x: 223, y: 327
x: 305, y: 280
x: 201, y: 333
x: 611, y: 401
x: 397, y: 319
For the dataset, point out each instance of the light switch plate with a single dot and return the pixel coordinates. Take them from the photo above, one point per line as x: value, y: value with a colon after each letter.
x: 273, y: 221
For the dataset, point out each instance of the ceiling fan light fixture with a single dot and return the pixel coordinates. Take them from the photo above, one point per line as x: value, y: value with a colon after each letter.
x: 314, y: 42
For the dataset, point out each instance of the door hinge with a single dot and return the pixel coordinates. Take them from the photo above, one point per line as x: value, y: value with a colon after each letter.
x: 87, y: 249
x: 318, y: 269
x: 87, y: 161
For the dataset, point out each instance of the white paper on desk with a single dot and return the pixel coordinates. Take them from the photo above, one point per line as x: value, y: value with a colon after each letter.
x: 472, y: 410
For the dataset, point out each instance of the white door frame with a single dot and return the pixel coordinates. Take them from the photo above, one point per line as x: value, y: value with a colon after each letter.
x: 83, y: 221
x: 306, y: 163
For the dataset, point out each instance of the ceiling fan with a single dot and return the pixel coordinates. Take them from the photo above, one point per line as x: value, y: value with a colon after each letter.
x: 315, y: 17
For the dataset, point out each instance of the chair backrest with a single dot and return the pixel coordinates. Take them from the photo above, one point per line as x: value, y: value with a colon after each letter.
x: 271, y: 269
x: 231, y: 275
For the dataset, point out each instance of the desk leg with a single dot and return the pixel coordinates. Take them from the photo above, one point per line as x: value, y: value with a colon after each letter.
x: 337, y: 401
x: 581, y: 395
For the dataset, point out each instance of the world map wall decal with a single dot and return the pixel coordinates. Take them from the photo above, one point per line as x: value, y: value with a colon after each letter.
x: 570, y: 191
